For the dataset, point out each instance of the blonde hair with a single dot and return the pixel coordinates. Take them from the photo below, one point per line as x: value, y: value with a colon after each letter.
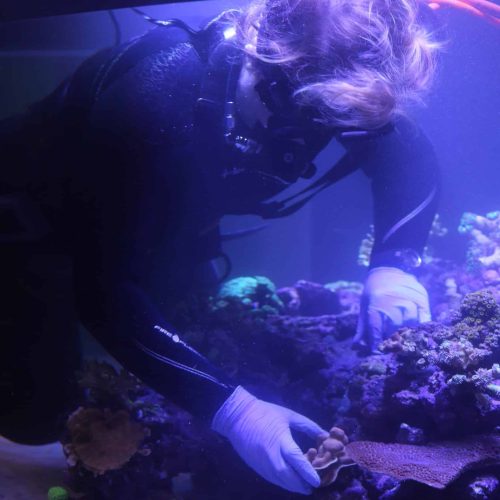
x: 358, y: 62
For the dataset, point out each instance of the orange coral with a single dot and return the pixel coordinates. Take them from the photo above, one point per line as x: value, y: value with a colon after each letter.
x: 102, y: 440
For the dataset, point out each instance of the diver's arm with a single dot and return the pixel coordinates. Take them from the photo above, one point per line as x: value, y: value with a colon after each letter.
x: 135, y: 333
x: 118, y: 229
x: 403, y: 168
x: 122, y: 190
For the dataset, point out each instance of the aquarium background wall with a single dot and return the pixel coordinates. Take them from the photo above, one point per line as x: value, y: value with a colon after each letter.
x: 320, y: 242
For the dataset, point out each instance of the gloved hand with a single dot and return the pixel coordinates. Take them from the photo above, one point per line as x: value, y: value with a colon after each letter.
x: 391, y: 298
x: 260, y: 433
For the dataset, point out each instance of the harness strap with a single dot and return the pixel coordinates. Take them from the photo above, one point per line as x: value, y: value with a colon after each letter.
x: 277, y: 209
x: 348, y: 164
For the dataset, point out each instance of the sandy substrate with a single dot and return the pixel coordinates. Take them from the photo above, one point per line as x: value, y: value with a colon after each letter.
x: 27, y: 472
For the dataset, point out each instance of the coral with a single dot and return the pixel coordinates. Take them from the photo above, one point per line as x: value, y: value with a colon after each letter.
x: 415, y: 343
x: 435, y: 464
x: 102, y: 440
x: 170, y: 446
x: 247, y: 294
x: 460, y: 355
x: 338, y: 326
x: 329, y: 456
x: 348, y: 295
x: 306, y: 298
x: 57, y: 493
x: 483, y: 252
x: 432, y: 383
x: 484, y: 233
x: 483, y: 487
x: 410, y: 435
x: 104, y: 386
x: 441, y: 379
x: 480, y: 306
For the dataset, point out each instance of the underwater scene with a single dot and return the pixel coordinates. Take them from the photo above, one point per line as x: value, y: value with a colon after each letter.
x: 250, y: 249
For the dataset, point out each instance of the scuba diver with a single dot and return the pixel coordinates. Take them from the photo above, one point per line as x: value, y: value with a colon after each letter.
x: 117, y: 181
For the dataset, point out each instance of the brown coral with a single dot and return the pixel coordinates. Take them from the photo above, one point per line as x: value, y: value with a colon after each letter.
x: 329, y: 457
x: 436, y: 464
x: 102, y: 440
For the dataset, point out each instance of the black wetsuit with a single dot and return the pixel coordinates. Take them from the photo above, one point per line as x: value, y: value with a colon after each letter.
x: 117, y: 182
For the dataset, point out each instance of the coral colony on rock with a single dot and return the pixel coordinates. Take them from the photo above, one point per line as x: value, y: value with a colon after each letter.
x: 419, y: 420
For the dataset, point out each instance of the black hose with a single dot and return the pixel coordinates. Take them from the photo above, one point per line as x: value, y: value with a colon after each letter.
x: 166, y: 22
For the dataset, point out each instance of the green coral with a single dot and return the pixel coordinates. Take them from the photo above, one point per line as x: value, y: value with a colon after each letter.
x: 57, y: 493
x: 248, y: 294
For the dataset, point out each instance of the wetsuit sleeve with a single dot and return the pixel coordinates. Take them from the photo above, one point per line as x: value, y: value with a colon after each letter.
x: 126, y: 207
x: 403, y: 169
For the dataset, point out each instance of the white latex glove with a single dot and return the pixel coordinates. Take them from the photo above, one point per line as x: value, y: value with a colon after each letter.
x: 391, y: 298
x: 260, y: 433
